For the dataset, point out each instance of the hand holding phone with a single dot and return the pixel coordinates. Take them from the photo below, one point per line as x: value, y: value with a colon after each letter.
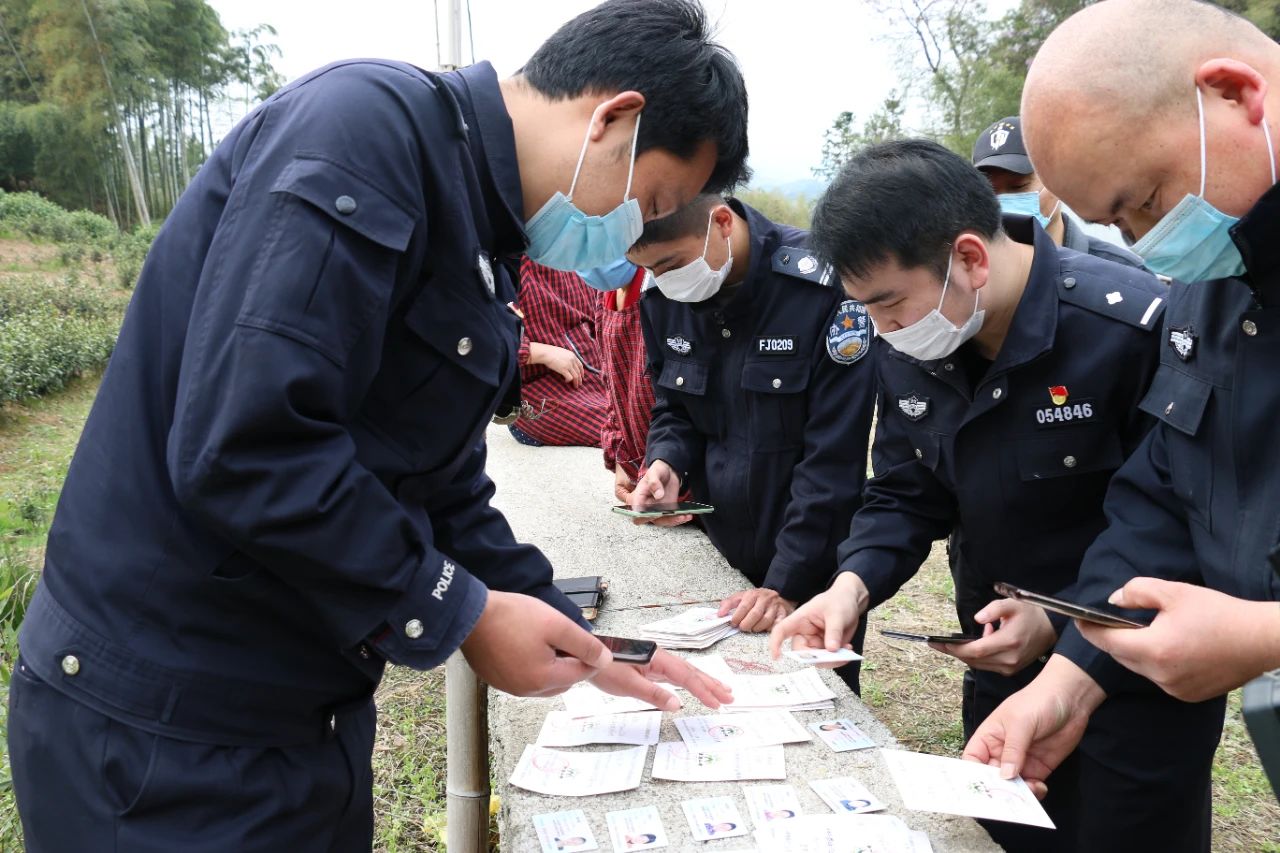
x: 931, y: 638
x: 664, y: 510
x: 625, y: 650
x: 1067, y: 608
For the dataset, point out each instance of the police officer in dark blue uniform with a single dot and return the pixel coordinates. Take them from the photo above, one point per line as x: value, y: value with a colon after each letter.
x: 1193, y: 536
x: 1010, y: 372
x: 1000, y: 155
x: 764, y: 397
x: 281, y: 485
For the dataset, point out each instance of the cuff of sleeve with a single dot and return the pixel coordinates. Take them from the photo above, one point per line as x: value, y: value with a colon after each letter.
x: 1111, y: 676
x: 1058, y: 621
x: 609, y: 442
x: 522, y: 356
x: 673, y: 455
x: 433, y: 617
x: 792, y: 582
x: 878, y: 572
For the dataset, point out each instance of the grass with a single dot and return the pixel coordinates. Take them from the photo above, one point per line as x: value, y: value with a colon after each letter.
x: 916, y: 692
x: 36, y: 442
x: 409, y: 762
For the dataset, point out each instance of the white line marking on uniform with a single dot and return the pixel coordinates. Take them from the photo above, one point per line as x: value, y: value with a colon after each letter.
x: 1151, y: 309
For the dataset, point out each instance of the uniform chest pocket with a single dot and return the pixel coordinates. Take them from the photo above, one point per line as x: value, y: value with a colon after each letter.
x: 1063, y: 475
x: 442, y: 374
x: 776, y: 402
x: 1181, y: 401
x: 330, y: 260
x: 1068, y: 453
x: 686, y: 382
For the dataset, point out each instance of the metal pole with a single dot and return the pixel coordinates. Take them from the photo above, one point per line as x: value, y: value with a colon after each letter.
x: 452, y: 54
x: 467, y: 733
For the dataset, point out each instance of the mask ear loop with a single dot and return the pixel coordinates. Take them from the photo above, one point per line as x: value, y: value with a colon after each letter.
x: 631, y: 170
x: 1057, y: 205
x: 706, y: 244
x: 1266, y: 131
x: 1200, y: 107
x: 582, y: 155
x: 946, y: 281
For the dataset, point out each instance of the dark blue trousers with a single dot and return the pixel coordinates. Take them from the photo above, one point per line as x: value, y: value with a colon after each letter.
x: 1140, y: 779
x: 86, y: 782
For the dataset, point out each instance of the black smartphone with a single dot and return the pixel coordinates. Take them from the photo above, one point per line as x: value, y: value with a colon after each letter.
x: 625, y: 650
x: 1068, y: 608
x: 931, y: 638
x: 665, y: 509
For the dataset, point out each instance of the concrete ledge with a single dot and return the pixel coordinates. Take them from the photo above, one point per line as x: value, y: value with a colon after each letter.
x: 559, y: 499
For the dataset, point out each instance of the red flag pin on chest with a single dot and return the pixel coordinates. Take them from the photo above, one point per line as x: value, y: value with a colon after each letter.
x: 1058, y: 393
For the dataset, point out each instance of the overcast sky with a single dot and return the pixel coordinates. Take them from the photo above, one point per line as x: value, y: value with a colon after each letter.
x: 805, y: 61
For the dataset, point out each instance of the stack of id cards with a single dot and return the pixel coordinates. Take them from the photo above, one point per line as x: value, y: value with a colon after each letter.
x: 695, y: 628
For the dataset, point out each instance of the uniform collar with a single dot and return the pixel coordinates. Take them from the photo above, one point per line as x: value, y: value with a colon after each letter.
x: 1254, y: 235
x: 1035, y: 320
x: 1073, y: 236
x: 493, y: 144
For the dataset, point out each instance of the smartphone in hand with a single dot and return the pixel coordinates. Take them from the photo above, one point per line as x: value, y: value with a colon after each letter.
x: 931, y: 638
x: 624, y: 650
x: 1068, y: 608
x: 663, y: 510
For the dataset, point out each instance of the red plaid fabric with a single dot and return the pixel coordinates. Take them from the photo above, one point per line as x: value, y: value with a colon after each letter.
x: 561, y: 310
x: 627, y: 378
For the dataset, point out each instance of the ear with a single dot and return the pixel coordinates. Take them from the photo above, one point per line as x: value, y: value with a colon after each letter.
x: 722, y: 220
x: 624, y: 105
x: 973, y: 258
x: 1233, y: 80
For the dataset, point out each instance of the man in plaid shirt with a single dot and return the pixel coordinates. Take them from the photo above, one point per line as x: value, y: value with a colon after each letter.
x: 629, y: 387
x: 562, y: 387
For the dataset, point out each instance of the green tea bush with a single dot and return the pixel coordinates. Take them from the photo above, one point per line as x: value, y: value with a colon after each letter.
x: 41, y: 350
x: 51, y: 331
x: 80, y: 234
x: 34, y: 216
x: 130, y: 251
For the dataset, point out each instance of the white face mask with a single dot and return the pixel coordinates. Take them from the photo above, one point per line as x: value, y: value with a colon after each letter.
x: 696, y: 282
x: 933, y: 336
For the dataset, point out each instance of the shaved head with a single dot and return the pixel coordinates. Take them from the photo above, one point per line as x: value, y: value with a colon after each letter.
x: 1133, y: 57
x: 1109, y: 110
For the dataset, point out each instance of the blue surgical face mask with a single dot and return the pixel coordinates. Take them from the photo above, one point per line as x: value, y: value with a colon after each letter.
x: 564, y: 238
x: 1193, y: 241
x: 1027, y: 204
x: 613, y: 276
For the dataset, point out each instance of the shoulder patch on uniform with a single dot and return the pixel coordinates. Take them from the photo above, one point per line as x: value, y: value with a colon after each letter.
x: 802, y: 263
x: 1127, y: 294
x: 849, y: 335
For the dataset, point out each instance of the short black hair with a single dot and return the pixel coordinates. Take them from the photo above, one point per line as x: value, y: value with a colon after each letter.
x: 693, y: 88
x: 691, y: 219
x: 906, y: 201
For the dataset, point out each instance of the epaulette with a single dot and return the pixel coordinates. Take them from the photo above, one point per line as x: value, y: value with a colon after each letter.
x: 1127, y: 294
x: 802, y: 263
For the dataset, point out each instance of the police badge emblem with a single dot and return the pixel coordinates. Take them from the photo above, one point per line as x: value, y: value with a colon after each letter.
x: 486, y: 274
x: 913, y: 406
x: 679, y: 345
x: 1183, y: 341
x: 999, y: 137
x: 849, y: 335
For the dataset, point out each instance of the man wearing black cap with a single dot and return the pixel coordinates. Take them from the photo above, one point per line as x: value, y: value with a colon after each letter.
x: 1000, y: 155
